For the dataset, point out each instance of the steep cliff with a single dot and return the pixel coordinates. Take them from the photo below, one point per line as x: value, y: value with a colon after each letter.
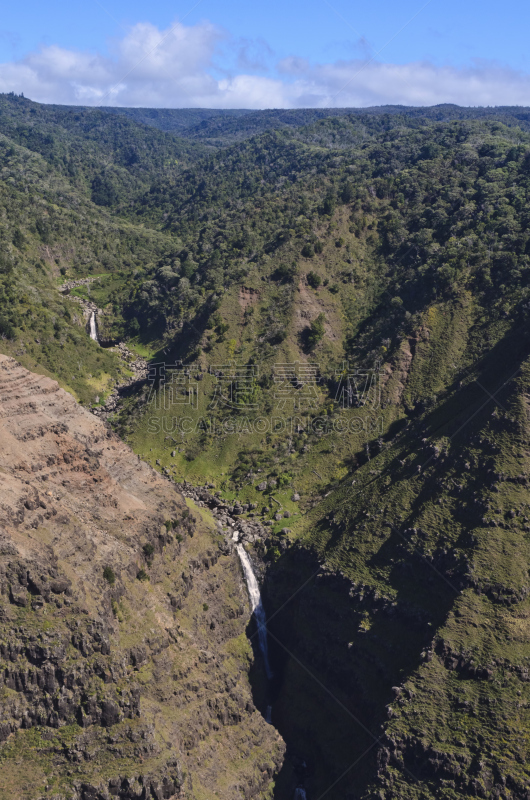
x: 399, y: 619
x: 123, y: 656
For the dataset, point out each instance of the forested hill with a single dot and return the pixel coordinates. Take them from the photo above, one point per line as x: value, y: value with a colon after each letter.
x: 223, y: 126
x: 177, y: 120
x: 95, y: 151
x: 384, y: 254
x: 400, y: 214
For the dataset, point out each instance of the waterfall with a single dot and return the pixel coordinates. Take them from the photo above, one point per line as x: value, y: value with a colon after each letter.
x: 256, y: 605
x: 300, y: 794
x: 93, y: 327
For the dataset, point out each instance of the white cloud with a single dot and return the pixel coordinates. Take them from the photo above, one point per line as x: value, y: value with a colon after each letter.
x: 417, y: 84
x: 148, y: 67
x: 178, y: 68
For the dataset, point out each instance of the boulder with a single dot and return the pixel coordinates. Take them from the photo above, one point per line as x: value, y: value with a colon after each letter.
x: 19, y: 596
x: 58, y: 587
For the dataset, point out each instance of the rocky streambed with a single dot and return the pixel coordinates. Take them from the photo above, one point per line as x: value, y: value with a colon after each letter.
x: 135, y: 364
x: 229, y: 517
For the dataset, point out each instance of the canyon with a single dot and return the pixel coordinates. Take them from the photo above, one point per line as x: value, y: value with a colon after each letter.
x: 264, y: 453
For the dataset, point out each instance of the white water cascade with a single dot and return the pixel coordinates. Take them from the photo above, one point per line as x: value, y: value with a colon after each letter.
x: 300, y: 794
x: 256, y: 604
x: 93, y: 327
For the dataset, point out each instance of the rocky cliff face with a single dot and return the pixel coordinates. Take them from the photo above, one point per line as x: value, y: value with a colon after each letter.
x: 123, y: 655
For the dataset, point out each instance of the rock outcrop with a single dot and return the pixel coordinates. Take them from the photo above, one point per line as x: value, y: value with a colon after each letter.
x: 228, y: 518
x: 123, y: 658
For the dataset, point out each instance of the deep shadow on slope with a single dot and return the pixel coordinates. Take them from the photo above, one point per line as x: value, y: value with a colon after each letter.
x: 334, y: 679
x: 342, y: 647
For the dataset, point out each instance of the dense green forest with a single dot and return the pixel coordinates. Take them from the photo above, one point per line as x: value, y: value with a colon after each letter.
x: 223, y: 126
x: 386, y: 247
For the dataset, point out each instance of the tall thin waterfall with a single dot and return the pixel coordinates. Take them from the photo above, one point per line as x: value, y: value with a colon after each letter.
x: 93, y: 327
x: 257, y: 606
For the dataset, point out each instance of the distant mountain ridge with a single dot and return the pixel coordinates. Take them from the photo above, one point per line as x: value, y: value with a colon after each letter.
x: 203, y: 123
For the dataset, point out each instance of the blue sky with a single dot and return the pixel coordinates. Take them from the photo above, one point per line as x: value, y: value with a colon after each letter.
x: 320, y: 52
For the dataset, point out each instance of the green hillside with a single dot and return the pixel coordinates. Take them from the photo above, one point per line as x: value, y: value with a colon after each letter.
x: 337, y: 304
x: 413, y: 245
x: 67, y: 179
